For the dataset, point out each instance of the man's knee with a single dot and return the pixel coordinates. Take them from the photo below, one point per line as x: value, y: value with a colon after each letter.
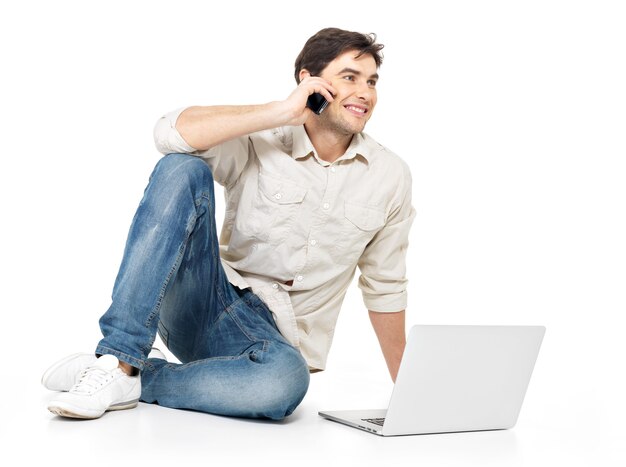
x: 182, y: 167
x: 286, y: 386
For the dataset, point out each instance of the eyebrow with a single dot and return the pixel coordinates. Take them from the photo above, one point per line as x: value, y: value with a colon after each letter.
x: 356, y: 72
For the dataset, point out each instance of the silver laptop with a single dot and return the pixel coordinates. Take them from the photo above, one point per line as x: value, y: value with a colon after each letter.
x: 455, y: 378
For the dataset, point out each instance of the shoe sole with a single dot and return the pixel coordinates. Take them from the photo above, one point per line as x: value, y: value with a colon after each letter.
x: 46, y: 376
x: 73, y: 413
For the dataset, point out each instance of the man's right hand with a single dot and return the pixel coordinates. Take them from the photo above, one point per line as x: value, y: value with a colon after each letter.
x: 294, y: 107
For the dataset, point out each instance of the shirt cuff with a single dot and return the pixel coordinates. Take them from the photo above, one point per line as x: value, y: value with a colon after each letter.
x: 388, y: 303
x: 167, y: 138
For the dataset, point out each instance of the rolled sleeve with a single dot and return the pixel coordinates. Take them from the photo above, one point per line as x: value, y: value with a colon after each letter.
x: 383, y: 281
x: 167, y: 138
x: 227, y: 160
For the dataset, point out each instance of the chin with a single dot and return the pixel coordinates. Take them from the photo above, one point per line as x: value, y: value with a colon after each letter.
x: 341, y: 125
x: 359, y: 129
x: 352, y: 129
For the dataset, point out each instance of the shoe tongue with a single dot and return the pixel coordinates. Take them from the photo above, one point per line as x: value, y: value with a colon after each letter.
x: 107, y: 362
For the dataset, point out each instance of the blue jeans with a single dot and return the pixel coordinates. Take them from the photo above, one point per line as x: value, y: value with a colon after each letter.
x: 234, y: 360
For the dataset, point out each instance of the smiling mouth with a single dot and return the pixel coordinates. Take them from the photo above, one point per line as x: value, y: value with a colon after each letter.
x: 356, y: 110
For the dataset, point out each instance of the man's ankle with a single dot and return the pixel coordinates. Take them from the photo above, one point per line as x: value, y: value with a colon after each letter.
x: 128, y: 369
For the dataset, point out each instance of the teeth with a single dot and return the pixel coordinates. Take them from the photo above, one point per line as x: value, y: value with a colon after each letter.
x: 356, y: 109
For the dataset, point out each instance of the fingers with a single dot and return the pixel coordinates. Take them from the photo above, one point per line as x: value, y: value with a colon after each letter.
x: 328, y: 94
x: 297, y: 111
x: 314, y: 84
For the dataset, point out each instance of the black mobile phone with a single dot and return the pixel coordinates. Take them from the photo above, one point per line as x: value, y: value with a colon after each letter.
x: 317, y: 103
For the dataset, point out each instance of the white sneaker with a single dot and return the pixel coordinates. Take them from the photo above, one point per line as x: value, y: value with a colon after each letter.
x: 156, y: 353
x: 64, y: 374
x: 100, y: 387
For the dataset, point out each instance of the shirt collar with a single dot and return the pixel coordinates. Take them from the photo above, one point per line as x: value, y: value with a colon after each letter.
x: 302, y: 147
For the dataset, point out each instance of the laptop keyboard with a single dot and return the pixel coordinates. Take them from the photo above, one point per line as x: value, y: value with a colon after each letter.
x: 375, y: 421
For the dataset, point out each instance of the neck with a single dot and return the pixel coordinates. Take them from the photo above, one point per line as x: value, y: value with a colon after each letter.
x: 328, y: 144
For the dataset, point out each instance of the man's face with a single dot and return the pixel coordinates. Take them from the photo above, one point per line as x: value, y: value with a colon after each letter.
x: 355, y: 82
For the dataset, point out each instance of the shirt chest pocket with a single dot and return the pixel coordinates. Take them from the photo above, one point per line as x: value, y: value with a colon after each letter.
x: 358, y: 226
x: 275, y: 208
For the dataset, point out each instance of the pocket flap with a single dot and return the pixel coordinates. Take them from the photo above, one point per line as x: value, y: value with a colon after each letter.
x: 281, y: 191
x: 364, y: 217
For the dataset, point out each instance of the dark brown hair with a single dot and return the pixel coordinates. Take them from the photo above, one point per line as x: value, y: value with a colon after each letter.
x: 329, y: 43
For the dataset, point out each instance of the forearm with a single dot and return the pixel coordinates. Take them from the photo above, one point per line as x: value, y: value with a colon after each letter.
x: 205, y: 127
x: 390, y: 330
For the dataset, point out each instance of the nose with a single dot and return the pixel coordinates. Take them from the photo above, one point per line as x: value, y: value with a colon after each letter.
x: 365, y: 92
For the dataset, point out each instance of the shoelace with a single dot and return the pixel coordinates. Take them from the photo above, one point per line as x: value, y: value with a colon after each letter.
x: 91, y: 379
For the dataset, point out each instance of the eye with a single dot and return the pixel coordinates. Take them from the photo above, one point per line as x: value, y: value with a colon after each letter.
x: 372, y: 82
x: 349, y: 77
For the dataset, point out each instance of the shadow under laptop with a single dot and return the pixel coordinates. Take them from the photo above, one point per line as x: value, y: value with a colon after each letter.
x: 490, y: 447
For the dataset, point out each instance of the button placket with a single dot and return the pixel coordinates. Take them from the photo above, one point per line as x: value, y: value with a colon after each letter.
x: 331, y: 184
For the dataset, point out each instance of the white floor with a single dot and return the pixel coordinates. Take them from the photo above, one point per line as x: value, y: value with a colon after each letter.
x: 553, y: 428
x: 510, y: 116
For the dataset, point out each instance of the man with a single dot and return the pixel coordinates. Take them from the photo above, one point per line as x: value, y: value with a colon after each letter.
x: 308, y: 199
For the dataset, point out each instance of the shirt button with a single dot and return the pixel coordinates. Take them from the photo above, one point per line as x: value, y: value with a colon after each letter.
x: 333, y: 169
x: 274, y: 285
x: 299, y: 278
x: 326, y: 206
x: 313, y: 242
x: 278, y: 195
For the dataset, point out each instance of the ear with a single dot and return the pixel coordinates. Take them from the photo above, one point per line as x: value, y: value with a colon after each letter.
x: 304, y: 73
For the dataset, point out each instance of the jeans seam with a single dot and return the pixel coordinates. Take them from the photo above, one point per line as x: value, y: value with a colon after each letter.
x: 175, y: 266
x: 178, y: 367
x: 216, y: 256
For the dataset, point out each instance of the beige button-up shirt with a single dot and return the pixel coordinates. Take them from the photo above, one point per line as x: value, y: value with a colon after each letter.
x: 296, y: 226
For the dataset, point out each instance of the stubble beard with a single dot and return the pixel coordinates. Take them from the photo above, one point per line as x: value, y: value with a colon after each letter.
x: 338, y: 125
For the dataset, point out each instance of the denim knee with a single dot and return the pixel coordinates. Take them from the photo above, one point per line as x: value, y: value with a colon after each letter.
x: 182, y: 171
x: 285, y: 386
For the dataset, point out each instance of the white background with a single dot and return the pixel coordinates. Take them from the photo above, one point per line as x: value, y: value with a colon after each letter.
x: 512, y: 118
